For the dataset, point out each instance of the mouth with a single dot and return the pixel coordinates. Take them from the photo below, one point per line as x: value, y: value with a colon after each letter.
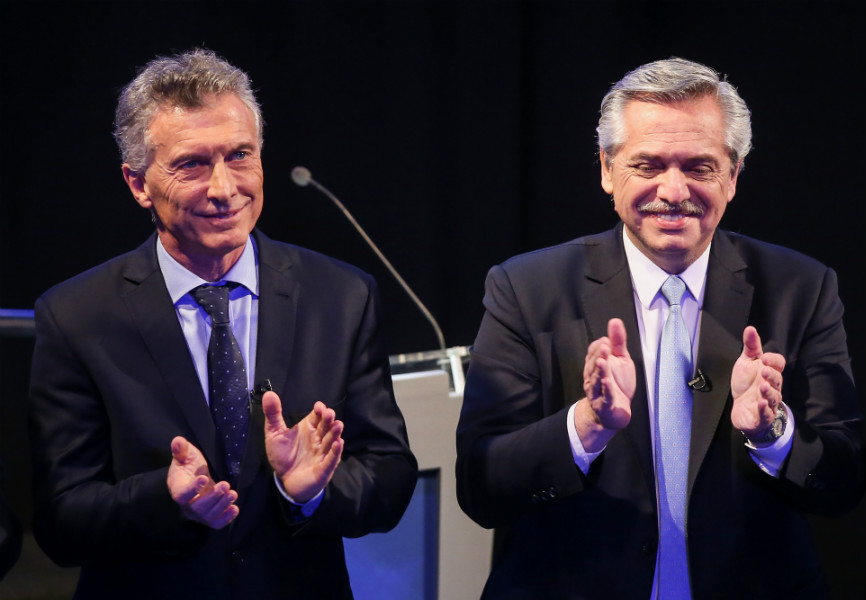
x: 669, y: 216
x: 223, y: 215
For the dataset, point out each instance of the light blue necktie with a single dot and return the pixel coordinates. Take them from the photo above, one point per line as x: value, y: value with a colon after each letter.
x: 673, y: 430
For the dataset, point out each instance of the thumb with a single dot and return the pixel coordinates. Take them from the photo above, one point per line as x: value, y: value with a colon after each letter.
x: 273, y: 409
x: 752, y: 343
x: 616, y: 334
x: 180, y: 449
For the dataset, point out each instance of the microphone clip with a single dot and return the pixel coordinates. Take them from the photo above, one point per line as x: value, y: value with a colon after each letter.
x: 258, y: 391
x: 701, y: 383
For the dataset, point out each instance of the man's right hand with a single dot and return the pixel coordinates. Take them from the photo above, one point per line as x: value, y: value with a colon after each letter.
x: 191, y: 486
x: 609, y: 383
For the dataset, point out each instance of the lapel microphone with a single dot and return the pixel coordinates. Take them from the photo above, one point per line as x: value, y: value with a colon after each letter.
x: 701, y: 383
x: 258, y: 391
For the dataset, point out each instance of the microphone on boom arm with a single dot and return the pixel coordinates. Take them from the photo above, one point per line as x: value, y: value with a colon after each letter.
x: 302, y: 177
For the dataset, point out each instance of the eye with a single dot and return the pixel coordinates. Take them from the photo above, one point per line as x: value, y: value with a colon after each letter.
x: 646, y: 169
x: 702, y: 172
x: 239, y: 155
x: 190, y: 165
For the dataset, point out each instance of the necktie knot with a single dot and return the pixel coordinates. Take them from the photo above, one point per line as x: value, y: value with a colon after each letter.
x: 673, y: 289
x: 214, y: 299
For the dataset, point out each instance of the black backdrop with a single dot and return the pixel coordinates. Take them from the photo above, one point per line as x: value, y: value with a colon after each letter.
x: 458, y: 133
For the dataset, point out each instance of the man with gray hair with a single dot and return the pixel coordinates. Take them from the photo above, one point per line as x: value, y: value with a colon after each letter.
x: 212, y: 412
x: 649, y: 410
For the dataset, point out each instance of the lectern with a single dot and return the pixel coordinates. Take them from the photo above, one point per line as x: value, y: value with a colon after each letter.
x: 436, y: 552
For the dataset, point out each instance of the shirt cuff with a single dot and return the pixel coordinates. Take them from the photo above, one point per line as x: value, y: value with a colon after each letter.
x: 771, y: 458
x: 582, y: 458
x: 308, y: 508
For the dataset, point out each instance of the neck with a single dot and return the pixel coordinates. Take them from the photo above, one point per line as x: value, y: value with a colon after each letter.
x: 210, y: 267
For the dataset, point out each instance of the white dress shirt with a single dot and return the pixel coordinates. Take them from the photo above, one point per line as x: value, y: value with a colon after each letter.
x: 243, y: 314
x: 652, y: 309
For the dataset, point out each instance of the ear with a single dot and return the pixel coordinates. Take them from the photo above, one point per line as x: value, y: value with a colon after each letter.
x: 136, y: 184
x: 732, y: 184
x: 606, y: 173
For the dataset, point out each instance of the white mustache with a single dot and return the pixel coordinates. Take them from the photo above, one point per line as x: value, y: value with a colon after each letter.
x: 686, y: 207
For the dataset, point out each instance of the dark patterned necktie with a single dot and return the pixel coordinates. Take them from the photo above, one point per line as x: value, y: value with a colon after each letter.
x: 674, y: 423
x: 227, y: 376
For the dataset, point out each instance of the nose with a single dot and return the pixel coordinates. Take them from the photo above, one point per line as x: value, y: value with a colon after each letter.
x: 673, y: 186
x: 222, y: 186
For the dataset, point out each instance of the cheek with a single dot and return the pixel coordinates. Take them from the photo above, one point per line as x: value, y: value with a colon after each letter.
x: 180, y: 196
x: 251, y: 180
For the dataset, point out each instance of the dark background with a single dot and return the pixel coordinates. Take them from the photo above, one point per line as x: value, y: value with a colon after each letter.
x: 458, y: 133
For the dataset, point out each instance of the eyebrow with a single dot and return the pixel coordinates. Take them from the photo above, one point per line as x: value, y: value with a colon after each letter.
x: 201, y: 155
x: 700, y: 158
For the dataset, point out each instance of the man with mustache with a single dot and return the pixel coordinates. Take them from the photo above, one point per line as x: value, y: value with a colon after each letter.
x: 649, y: 410
x: 212, y: 412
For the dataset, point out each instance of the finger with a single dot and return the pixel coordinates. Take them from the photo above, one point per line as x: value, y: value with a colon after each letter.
x: 229, y: 515
x: 189, y: 491
x: 273, y: 410
x: 772, y: 376
x: 213, y: 501
x: 774, y: 361
x: 326, y: 421
x: 332, y: 458
x: 751, y: 343
x: 332, y: 434
x: 600, y: 348
x: 222, y: 504
x: 597, y: 370
x: 616, y: 333
x: 604, y: 382
x: 772, y: 396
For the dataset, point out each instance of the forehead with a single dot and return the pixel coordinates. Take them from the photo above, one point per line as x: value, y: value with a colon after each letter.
x: 693, y: 124
x: 224, y: 116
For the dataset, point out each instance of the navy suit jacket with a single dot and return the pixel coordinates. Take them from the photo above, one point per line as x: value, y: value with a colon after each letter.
x: 569, y: 535
x: 113, y: 382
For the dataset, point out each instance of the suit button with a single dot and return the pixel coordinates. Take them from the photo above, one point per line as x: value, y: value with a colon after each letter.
x: 535, y: 499
x: 552, y: 491
x: 237, y: 558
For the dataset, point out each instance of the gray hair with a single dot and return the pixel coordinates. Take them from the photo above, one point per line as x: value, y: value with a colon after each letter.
x: 668, y: 82
x: 182, y: 80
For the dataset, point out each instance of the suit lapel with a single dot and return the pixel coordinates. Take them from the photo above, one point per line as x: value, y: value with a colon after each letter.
x: 727, y: 302
x: 608, y: 293
x: 278, y: 301
x: 153, y: 312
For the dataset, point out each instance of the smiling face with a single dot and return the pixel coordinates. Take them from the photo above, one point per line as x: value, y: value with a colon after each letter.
x: 672, y: 179
x: 203, y: 182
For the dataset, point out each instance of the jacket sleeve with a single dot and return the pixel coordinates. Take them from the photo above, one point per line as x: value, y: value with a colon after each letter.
x: 374, y: 482
x: 83, y: 512
x: 512, y: 448
x: 824, y: 471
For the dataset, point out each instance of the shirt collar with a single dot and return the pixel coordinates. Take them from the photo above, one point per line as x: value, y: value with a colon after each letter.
x: 180, y: 281
x: 647, y: 277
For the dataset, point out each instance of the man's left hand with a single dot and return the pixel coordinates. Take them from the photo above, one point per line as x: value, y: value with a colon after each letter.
x: 305, y: 456
x: 756, y: 384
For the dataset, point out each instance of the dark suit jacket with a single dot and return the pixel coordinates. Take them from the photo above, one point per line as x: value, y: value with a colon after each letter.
x: 566, y: 535
x: 113, y: 382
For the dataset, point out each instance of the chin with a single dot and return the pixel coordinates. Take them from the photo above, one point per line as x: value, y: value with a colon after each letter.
x: 224, y: 243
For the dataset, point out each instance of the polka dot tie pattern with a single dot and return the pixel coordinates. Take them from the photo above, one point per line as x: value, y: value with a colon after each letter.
x: 673, y: 432
x: 227, y: 376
